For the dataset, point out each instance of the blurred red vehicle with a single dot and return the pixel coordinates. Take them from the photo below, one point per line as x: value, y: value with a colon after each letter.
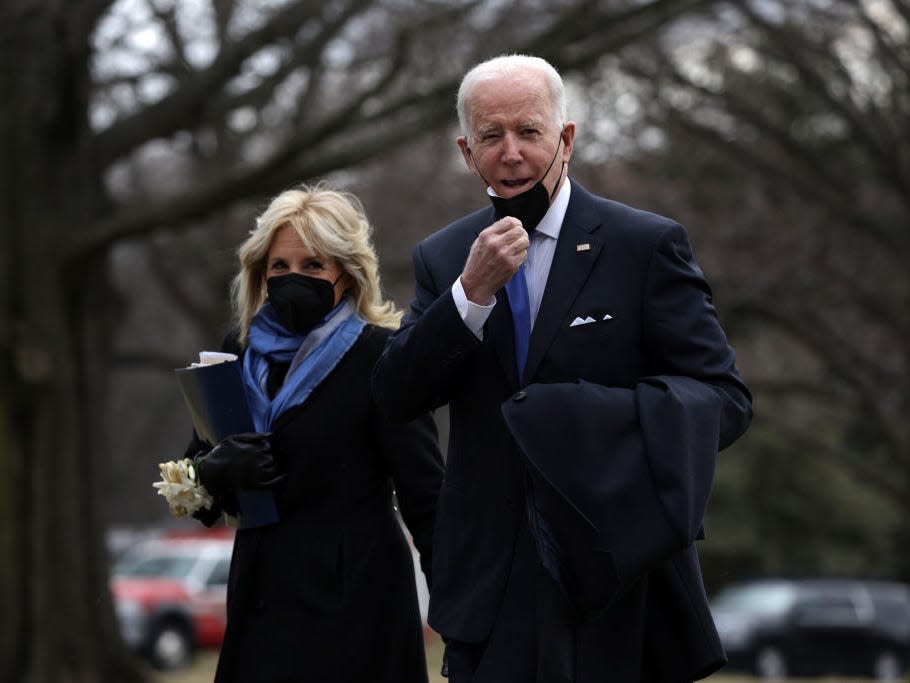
x: 170, y: 594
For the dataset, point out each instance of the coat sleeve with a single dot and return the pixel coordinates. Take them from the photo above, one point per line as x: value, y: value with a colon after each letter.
x: 682, y: 336
x: 412, y: 454
x: 422, y: 360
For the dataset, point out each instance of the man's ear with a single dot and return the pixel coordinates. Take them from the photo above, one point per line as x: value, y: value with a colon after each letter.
x: 466, y: 154
x: 568, y: 140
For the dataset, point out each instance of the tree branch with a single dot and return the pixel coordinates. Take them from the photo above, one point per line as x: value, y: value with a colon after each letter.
x: 871, y: 302
x: 90, y: 12
x: 845, y: 362
x: 792, y: 47
x: 185, y: 106
x: 903, y: 8
x: 168, y: 19
x: 282, y: 168
x: 801, y: 180
x: 605, y: 32
x: 807, y: 441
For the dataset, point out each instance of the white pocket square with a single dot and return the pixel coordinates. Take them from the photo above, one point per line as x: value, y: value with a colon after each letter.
x: 587, y: 320
x: 582, y: 321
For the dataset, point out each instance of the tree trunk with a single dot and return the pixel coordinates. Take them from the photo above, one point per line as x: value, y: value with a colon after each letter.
x: 57, y: 620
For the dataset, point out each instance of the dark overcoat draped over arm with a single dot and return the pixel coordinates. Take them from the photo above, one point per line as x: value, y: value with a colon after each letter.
x: 607, y: 463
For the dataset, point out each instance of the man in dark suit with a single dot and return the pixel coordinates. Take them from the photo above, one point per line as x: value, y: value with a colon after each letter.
x: 590, y: 387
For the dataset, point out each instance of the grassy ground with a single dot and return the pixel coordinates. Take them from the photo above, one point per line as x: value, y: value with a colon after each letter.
x: 203, y: 671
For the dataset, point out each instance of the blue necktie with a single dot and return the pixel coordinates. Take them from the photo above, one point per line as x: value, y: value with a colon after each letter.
x: 517, y: 290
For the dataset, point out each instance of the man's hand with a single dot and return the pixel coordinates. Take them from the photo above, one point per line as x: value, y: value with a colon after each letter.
x: 242, y: 461
x: 495, y: 256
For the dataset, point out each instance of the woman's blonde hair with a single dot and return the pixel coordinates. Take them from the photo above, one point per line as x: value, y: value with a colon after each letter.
x: 331, y: 224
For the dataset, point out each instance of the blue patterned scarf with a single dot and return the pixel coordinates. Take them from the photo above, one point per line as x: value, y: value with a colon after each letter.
x: 312, y: 357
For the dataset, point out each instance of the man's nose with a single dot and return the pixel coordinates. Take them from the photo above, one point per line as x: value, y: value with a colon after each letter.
x: 511, y: 149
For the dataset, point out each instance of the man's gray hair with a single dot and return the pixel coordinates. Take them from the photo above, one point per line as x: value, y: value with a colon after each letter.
x: 506, y: 65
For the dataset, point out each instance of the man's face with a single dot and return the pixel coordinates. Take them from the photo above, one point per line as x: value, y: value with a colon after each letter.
x: 514, y: 134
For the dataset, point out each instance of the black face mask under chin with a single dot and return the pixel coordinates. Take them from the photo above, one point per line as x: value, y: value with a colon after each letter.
x: 529, y: 206
x: 300, y: 301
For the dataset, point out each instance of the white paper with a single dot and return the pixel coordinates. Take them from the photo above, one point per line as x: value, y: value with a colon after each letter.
x: 212, y: 357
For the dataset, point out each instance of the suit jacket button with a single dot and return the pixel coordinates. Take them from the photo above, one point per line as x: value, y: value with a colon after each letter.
x: 520, y: 396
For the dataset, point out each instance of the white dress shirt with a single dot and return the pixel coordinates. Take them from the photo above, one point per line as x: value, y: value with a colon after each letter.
x: 537, y: 267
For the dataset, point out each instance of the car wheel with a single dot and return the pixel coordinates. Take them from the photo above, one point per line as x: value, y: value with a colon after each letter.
x: 887, y: 666
x: 770, y: 664
x: 171, y: 646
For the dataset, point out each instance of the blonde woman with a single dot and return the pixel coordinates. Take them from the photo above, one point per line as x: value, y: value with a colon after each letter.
x: 327, y: 593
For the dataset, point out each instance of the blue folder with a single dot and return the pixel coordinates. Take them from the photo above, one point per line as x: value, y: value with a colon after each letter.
x: 218, y: 407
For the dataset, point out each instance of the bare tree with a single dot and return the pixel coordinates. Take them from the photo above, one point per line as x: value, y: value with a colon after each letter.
x: 789, y: 120
x: 242, y: 98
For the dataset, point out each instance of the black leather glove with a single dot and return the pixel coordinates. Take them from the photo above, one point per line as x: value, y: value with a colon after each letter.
x: 240, y: 462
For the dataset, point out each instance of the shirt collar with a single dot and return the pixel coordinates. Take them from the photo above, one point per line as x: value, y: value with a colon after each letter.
x: 551, y: 224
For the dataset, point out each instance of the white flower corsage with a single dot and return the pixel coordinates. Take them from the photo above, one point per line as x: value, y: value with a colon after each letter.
x: 184, y: 494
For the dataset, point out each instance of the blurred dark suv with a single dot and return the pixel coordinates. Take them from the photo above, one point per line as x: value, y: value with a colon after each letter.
x: 776, y: 628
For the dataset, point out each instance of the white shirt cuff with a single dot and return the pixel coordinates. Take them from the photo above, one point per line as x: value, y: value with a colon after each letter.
x: 474, y: 315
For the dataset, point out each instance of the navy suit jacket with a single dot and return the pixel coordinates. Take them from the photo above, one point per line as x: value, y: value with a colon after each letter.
x: 608, y: 441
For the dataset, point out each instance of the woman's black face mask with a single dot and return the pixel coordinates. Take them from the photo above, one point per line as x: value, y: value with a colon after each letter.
x: 300, y: 302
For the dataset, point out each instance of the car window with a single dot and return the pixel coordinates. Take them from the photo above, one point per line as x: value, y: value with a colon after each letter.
x: 893, y: 608
x: 826, y: 608
x: 759, y: 599
x: 219, y: 575
x: 168, y: 566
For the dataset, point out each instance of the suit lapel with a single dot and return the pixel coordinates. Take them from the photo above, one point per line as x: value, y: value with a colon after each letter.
x: 568, y: 273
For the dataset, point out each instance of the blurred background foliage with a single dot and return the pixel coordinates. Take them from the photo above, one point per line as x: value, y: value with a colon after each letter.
x: 141, y: 137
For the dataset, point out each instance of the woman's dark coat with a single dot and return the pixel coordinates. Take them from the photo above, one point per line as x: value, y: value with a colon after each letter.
x: 328, y: 594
